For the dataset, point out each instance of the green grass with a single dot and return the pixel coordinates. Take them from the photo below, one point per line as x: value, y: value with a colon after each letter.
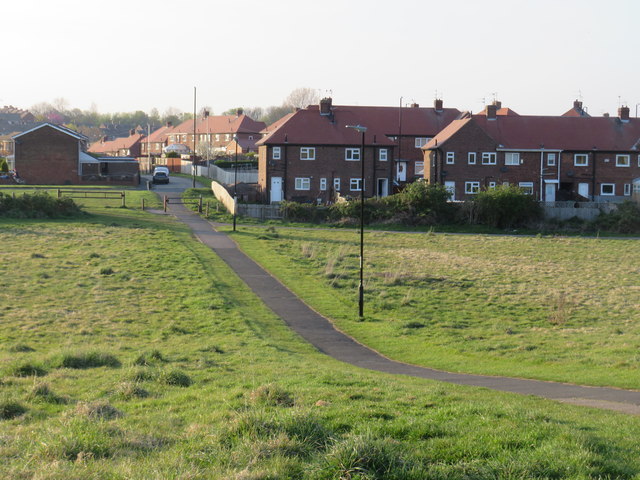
x: 258, y: 404
x: 552, y: 308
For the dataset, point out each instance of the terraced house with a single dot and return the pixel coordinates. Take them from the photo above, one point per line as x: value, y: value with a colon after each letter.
x: 311, y: 156
x: 569, y: 157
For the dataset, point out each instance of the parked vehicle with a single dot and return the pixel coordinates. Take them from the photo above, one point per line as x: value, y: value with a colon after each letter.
x: 160, y: 175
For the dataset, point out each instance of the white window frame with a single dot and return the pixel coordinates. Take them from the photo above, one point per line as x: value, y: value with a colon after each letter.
x: 627, y: 189
x: 471, y: 158
x: 580, y: 159
x: 307, y: 153
x: 276, y: 153
x: 303, y: 183
x: 421, y: 141
x: 419, y: 168
x: 492, y: 185
x: 227, y: 136
x: 355, y: 182
x: 471, y: 188
x: 613, y: 189
x: 512, y: 158
x: 383, y: 154
x: 336, y: 184
x: 623, y: 160
x: 323, y: 183
x: 217, y: 137
x: 551, y: 159
x: 527, y: 187
x: 451, y: 158
x: 639, y: 160
x: 352, y: 154
x: 489, y: 158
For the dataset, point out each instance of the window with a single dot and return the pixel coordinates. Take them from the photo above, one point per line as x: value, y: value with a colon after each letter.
x: 639, y: 160
x: 303, y: 183
x: 627, y: 189
x: 451, y: 157
x: 492, y: 185
x: 623, y: 160
x: 551, y: 159
x: 336, y: 184
x: 419, y: 168
x: 511, y: 158
x: 471, y: 158
x: 355, y: 184
x: 421, y: 141
x: 488, y: 158
x: 307, y: 153
x: 275, y: 154
x: 352, y: 154
x: 383, y: 155
x: 527, y: 187
x: 581, y: 160
x: 471, y: 188
x: 323, y: 184
x: 217, y: 137
x: 607, y: 189
x: 227, y: 137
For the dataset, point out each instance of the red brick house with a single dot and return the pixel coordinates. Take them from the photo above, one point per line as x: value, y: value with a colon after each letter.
x: 55, y: 155
x: 120, y: 147
x: 572, y: 157
x: 310, y: 155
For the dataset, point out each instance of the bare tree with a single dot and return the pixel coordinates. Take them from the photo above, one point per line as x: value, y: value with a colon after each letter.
x: 301, y: 98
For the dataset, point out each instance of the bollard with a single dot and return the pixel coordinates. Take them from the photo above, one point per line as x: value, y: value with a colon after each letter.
x: 207, y: 214
x: 200, y: 204
x: 165, y: 204
x: 143, y: 204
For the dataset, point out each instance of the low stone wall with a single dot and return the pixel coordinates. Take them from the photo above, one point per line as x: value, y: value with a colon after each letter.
x: 583, y: 210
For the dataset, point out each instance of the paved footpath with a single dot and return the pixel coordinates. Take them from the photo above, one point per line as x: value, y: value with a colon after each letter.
x: 321, y: 333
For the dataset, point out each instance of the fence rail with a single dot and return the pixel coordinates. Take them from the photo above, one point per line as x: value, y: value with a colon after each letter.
x: 166, y: 201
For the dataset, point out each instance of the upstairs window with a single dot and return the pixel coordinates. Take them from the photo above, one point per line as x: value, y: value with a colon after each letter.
x: 471, y: 158
x: 421, y: 141
x: 275, y: 153
x: 307, y: 153
x: 451, y: 158
x: 383, y: 155
x: 352, y: 154
x: 511, y: 158
x: 623, y: 160
x: 581, y: 160
x: 551, y: 159
x: 489, y: 158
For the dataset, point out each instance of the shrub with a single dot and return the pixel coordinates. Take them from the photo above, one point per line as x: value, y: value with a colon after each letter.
x: 88, y: 360
x: 4, y: 166
x: 37, y: 205
x: 303, y: 212
x: 423, y: 201
x: 11, y: 409
x: 625, y: 219
x: 505, y: 206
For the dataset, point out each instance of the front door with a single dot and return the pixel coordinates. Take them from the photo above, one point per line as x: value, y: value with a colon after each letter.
x: 583, y: 190
x: 383, y: 187
x: 276, y: 189
x: 401, y: 171
x: 550, y: 192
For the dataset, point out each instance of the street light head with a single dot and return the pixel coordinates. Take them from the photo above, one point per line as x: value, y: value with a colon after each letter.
x: 358, y: 127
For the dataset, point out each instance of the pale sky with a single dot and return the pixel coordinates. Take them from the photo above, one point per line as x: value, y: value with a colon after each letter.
x: 537, y: 57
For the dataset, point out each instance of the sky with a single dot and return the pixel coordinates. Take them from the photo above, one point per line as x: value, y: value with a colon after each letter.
x: 535, y: 56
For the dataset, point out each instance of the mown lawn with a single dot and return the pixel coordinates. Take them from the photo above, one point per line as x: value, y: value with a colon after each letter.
x: 130, y: 351
x: 551, y: 308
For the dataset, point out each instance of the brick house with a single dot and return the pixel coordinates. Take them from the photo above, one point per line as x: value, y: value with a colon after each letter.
x: 55, y: 155
x: 310, y: 155
x: 214, y: 133
x: 120, y: 147
x: 572, y: 157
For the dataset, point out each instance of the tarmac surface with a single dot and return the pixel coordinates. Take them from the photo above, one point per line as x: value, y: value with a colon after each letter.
x: 322, y: 334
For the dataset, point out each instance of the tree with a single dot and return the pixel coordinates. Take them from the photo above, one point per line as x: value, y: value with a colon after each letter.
x: 274, y: 113
x: 4, y: 166
x: 301, y: 98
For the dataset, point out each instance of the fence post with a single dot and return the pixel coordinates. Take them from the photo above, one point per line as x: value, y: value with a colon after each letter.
x: 122, y: 194
x: 143, y: 204
x: 207, y: 214
x: 59, y: 193
x: 164, y: 203
x: 200, y: 204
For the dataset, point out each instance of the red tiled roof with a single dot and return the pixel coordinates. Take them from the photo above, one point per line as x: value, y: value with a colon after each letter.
x: 308, y: 127
x: 562, y: 133
x: 117, y: 144
x: 221, y: 124
x: 575, y: 112
x: 504, y: 111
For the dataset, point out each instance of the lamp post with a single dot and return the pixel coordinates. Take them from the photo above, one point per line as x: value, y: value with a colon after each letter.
x: 362, y: 130
x: 235, y: 184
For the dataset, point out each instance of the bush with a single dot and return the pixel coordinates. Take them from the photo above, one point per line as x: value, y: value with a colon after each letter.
x: 37, y: 205
x: 425, y: 202
x: 303, y: 212
x: 505, y: 206
x: 625, y: 219
x: 4, y: 166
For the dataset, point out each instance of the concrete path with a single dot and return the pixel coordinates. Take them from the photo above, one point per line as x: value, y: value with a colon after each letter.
x: 321, y: 333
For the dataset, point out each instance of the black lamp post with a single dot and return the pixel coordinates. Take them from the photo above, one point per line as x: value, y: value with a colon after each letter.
x: 362, y: 130
x: 235, y: 184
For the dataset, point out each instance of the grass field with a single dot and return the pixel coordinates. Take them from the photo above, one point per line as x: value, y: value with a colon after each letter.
x: 128, y: 350
x: 551, y: 308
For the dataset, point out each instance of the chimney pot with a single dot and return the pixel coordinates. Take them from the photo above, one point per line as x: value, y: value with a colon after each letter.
x: 415, y: 105
x: 498, y: 104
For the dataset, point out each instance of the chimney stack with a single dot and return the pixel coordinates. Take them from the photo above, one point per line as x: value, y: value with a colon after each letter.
x: 415, y: 105
x: 623, y: 114
x: 437, y: 104
x: 577, y: 104
x: 325, y: 106
x: 205, y: 114
x: 492, y: 112
x: 239, y: 112
x: 498, y: 104
x: 132, y: 132
x: 169, y: 124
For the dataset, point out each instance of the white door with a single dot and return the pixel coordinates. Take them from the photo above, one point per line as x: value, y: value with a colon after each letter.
x: 583, y: 190
x: 276, y: 189
x: 401, y: 171
x: 451, y: 187
x: 550, y: 192
x: 383, y: 187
